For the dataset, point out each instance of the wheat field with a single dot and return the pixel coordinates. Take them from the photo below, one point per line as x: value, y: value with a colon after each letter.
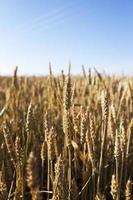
x: 66, y: 137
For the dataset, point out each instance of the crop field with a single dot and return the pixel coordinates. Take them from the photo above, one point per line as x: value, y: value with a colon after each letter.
x: 66, y: 137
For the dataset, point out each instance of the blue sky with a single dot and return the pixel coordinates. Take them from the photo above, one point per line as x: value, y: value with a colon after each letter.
x: 90, y: 32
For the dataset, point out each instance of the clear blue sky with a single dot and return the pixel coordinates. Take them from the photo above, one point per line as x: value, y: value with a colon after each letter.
x: 91, y: 32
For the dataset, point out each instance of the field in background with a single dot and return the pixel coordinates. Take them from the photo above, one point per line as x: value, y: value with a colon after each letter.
x: 66, y: 138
